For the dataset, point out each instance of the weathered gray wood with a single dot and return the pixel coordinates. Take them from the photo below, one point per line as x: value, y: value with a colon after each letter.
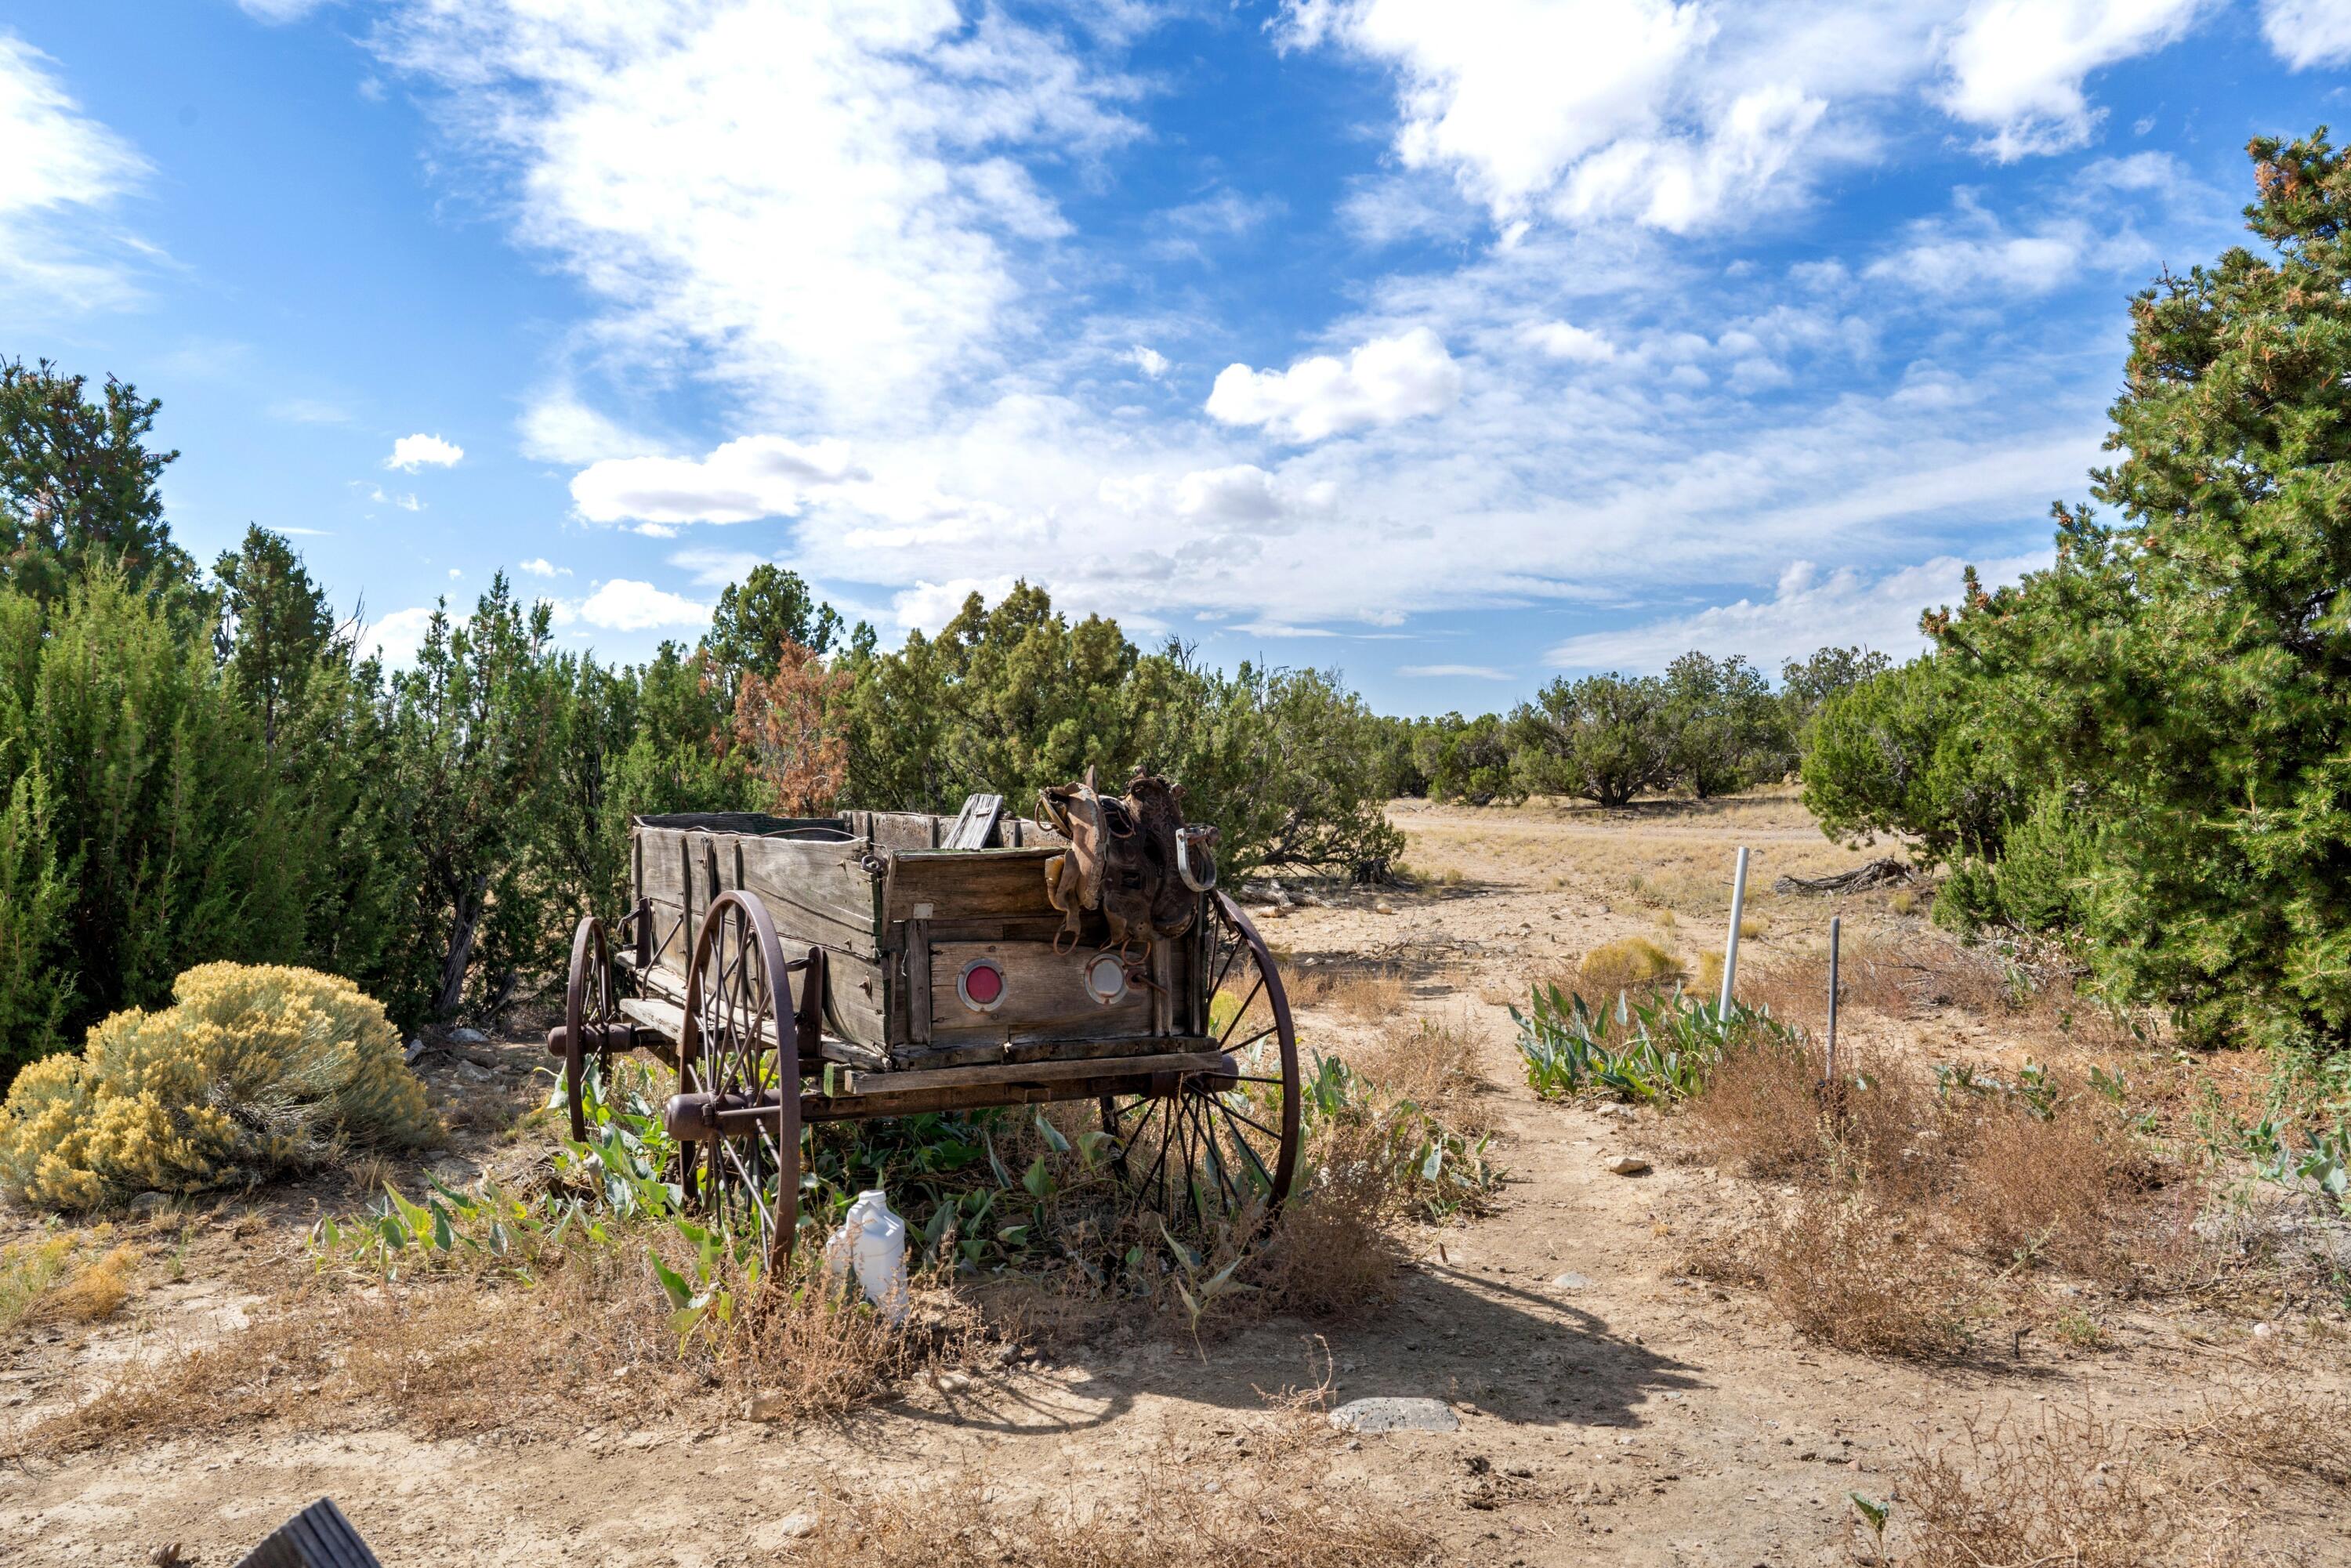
x: 1030, y: 1072
x: 666, y: 1018
x: 975, y: 824
x: 1044, y: 1047
x: 918, y: 980
x: 1043, y: 990
x: 993, y: 885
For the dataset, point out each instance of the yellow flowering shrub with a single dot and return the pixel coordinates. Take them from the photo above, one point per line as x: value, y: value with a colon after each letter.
x: 255, y: 1069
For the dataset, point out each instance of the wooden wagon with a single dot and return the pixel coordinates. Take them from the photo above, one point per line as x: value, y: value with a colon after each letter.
x: 897, y: 973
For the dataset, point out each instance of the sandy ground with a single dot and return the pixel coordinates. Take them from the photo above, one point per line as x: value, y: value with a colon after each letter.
x: 1613, y: 1409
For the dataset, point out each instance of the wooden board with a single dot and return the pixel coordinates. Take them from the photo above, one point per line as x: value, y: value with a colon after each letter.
x: 1032, y: 1072
x: 974, y: 826
x: 993, y: 885
x: 1044, y: 993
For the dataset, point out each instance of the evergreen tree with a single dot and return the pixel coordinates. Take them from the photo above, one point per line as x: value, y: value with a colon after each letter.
x: 78, y: 485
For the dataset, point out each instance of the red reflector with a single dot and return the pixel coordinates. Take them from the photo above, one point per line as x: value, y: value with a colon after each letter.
x: 984, y: 984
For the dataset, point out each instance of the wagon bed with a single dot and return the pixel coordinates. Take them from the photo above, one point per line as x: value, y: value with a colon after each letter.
x: 913, y: 976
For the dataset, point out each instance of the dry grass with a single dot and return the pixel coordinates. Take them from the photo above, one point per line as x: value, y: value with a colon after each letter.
x: 1365, y: 997
x: 1914, y: 1208
x: 2285, y: 1427
x: 466, y: 1353
x: 1632, y: 964
x: 1431, y: 1065
x: 1916, y: 975
x: 1849, y: 1273
x: 56, y: 1279
x: 2071, y: 1489
x: 1269, y: 1498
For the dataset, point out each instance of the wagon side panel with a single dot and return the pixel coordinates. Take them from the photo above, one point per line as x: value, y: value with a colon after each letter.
x: 819, y: 894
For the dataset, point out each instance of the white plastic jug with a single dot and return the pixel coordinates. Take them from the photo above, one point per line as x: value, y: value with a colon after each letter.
x: 872, y: 1241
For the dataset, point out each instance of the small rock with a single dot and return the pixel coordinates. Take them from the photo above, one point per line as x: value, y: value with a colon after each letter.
x: 1383, y: 909
x: 151, y: 1203
x: 1393, y: 1415
x: 2260, y: 1331
x: 417, y: 1049
x: 954, y: 1382
x: 767, y: 1407
x: 1570, y: 1280
x: 474, y: 1072
x: 1628, y: 1164
x: 469, y: 1037
x: 796, y: 1525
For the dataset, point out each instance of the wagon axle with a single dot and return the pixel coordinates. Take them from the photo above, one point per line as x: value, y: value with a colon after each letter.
x: 700, y: 1116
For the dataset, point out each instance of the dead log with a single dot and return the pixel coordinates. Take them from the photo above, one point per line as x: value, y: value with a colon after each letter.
x: 1883, y: 872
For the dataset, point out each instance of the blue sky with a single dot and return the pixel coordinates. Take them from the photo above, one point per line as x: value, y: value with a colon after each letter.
x: 1454, y: 344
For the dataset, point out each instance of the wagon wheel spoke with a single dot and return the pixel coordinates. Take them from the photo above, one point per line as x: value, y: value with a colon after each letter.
x: 1219, y: 1152
x: 737, y: 993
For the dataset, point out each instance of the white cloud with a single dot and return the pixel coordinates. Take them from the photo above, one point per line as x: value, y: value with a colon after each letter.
x: 558, y: 428
x: 1806, y: 612
x: 396, y: 637
x: 401, y: 498
x: 2016, y: 67
x: 278, y: 13
x: 1384, y: 380
x: 456, y: 573
x: 59, y: 164
x: 623, y: 605
x: 1561, y: 340
x: 818, y: 202
x: 2307, y: 33
x: 542, y: 567
x: 1150, y: 361
x: 411, y: 453
x: 741, y: 481
x: 1455, y: 671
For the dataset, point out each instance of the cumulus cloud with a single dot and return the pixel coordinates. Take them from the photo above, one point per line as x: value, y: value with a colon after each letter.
x: 558, y: 428
x: 741, y: 481
x: 411, y: 453
x: 820, y: 204
x: 60, y: 164
x: 1562, y: 341
x: 2306, y: 34
x: 625, y: 605
x: 1805, y: 612
x: 396, y: 637
x: 542, y: 567
x: 1383, y: 380
x: 2016, y: 67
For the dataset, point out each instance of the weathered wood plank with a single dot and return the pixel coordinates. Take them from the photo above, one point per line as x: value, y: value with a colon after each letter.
x: 918, y: 980
x: 993, y: 885
x: 975, y: 825
x: 945, y: 1052
x: 1030, y: 1072
x: 1044, y: 991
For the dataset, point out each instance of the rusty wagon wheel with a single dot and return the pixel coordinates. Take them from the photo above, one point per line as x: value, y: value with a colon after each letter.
x: 591, y: 1005
x: 1217, y: 1154
x: 738, y: 1007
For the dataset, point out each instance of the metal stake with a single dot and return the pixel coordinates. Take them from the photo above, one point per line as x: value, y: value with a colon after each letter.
x: 1730, y: 947
x: 1836, y: 923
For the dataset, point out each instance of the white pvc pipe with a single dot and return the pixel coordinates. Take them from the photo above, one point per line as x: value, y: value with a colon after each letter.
x: 1731, y: 947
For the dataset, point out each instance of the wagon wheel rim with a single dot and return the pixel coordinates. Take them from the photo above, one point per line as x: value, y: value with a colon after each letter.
x: 1220, y: 1152
x: 588, y: 1000
x: 737, y: 1007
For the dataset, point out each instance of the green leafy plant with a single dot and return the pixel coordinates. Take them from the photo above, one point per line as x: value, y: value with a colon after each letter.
x: 1658, y: 1051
